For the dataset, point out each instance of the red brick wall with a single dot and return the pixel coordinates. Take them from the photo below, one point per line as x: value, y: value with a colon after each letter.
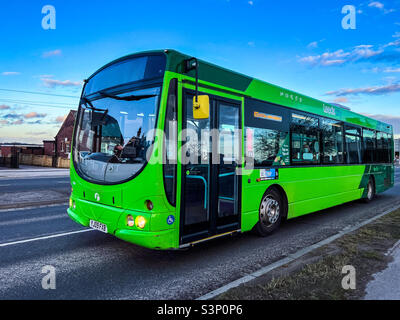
x: 48, y: 148
x: 38, y: 151
x: 6, y: 151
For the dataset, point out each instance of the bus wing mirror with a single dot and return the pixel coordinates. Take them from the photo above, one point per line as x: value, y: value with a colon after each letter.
x: 201, y: 107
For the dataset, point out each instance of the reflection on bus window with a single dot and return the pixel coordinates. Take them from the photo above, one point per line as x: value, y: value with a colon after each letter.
x: 112, y: 140
x: 305, y: 139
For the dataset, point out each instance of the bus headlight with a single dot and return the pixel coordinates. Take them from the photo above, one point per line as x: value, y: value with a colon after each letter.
x: 130, y: 221
x: 140, y: 222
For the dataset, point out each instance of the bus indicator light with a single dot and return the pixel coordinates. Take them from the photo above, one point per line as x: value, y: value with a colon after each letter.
x: 140, y: 222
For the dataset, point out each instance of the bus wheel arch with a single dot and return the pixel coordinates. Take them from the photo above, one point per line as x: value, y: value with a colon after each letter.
x: 272, y: 211
x: 285, y: 201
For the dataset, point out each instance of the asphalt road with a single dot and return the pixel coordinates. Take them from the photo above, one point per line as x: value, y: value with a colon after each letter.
x: 93, y: 265
x: 21, y: 185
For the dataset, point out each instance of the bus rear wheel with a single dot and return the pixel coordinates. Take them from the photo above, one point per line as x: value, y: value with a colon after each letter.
x: 270, y: 213
x: 370, y: 191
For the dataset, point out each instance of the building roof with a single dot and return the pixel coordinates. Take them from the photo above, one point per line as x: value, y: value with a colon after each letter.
x: 20, y: 145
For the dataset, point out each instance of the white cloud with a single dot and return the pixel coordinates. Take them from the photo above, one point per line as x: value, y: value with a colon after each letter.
x: 341, y: 100
x: 61, y: 119
x: 53, y: 53
x: 380, y: 6
x: 32, y: 115
x: 376, y: 90
x: 312, y: 45
x: 251, y: 3
x: 52, y: 83
x: 340, y: 56
x: 10, y: 73
x: 391, y: 70
x: 394, y: 43
x: 365, y: 52
x: 376, y: 4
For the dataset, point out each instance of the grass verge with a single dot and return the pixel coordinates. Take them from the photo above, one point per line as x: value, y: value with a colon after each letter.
x: 318, y: 275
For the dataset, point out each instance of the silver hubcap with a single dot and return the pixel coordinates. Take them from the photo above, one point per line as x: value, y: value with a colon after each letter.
x: 269, y: 211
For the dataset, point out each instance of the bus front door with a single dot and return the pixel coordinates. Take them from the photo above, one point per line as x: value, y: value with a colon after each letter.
x: 210, y: 186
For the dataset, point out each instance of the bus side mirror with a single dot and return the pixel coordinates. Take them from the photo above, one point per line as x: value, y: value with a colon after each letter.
x: 201, y: 107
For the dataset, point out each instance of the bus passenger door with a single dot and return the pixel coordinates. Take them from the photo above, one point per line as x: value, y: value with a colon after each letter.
x: 209, y: 203
x: 225, y: 181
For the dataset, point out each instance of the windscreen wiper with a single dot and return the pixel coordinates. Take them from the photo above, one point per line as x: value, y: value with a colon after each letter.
x: 89, y: 104
x: 128, y: 98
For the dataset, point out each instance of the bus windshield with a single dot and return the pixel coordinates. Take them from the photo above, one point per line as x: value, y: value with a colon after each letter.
x: 114, y: 133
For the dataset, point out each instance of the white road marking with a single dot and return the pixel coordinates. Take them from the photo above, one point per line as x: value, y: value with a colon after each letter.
x: 5, y: 185
x: 33, y: 220
x: 291, y: 257
x: 44, y: 238
x: 35, y: 207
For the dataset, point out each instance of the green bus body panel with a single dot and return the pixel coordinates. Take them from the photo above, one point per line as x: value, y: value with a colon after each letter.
x: 308, y: 189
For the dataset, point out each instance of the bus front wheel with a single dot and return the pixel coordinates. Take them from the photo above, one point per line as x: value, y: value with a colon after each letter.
x: 270, y: 213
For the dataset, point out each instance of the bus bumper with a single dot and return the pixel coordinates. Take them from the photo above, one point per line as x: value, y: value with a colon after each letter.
x: 160, y: 240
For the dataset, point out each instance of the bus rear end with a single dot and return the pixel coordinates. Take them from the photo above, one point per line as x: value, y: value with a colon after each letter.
x: 114, y: 188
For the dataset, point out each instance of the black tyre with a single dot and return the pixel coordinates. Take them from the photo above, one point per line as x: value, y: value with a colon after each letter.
x: 370, y: 191
x: 271, y: 213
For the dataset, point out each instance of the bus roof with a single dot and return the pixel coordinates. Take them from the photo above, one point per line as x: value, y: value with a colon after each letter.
x: 251, y: 87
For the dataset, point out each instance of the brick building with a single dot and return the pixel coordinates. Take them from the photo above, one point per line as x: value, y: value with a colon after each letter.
x: 61, y: 145
x: 10, y: 149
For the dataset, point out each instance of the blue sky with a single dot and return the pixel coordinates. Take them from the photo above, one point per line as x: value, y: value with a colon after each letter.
x: 300, y: 45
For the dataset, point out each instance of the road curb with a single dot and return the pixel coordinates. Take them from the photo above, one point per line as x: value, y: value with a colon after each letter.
x: 291, y: 257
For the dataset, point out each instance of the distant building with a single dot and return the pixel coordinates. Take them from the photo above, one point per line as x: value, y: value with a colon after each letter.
x: 397, y: 147
x: 11, y: 149
x: 61, y: 145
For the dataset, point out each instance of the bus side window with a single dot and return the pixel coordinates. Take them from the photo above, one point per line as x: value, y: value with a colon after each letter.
x: 390, y: 148
x: 267, y: 139
x: 353, y: 145
x: 305, y: 139
x: 369, y: 141
x: 332, y: 141
x: 385, y: 148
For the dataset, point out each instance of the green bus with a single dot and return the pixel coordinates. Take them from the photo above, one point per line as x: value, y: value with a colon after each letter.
x: 169, y: 151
